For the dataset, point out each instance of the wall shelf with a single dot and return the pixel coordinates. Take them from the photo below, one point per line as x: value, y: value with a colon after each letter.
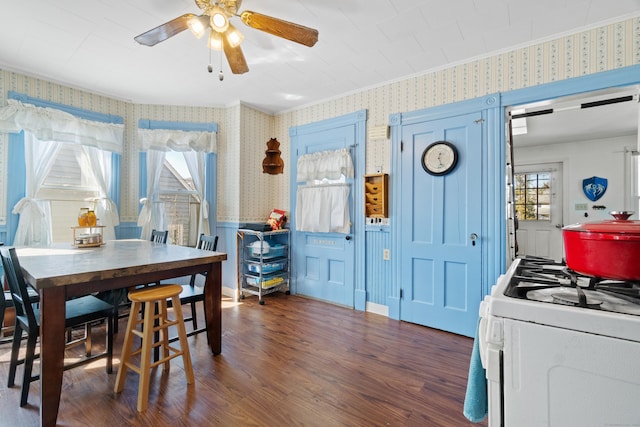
x: 376, y: 195
x: 273, y: 163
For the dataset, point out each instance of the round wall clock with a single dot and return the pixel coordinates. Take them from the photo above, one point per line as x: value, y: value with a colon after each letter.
x: 439, y: 158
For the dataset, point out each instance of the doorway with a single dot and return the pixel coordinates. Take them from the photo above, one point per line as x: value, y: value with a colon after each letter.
x: 572, y: 139
x: 538, y: 206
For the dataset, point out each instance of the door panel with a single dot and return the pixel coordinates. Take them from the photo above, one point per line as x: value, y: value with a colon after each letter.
x: 543, y: 238
x: 324, y: 262
x: 441, y: 263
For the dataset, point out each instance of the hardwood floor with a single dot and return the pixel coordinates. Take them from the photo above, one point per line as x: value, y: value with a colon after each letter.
x: 292, y: 362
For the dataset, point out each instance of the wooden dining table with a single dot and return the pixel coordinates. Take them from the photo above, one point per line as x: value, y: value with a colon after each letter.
x: 60, y: 272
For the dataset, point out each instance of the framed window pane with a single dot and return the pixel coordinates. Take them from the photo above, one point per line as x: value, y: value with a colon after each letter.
x: 533, y: 196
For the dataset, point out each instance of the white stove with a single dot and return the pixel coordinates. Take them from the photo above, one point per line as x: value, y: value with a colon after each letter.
x: 560, y: 349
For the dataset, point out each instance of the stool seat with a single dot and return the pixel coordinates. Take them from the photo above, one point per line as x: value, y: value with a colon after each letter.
x: 154, y: 293
x: 154, y: 319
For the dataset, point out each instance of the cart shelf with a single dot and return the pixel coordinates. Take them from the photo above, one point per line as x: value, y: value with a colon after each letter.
x: 263, y: 262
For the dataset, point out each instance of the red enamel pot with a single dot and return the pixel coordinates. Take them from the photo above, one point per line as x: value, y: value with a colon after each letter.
x: 609, y: 249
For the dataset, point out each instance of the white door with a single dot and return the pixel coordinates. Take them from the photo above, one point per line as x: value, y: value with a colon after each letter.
x: 539, y: 231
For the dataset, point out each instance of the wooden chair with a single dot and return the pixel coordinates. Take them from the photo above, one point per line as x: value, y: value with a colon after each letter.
x: 82, y: 311
x: 159, y: 236
x: 6, y: 301
x: 191, y: 293
x: 119, y: 296
x: 154, y: 318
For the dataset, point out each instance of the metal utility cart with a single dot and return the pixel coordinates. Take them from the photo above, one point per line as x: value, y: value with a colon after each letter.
x: 263, y: 262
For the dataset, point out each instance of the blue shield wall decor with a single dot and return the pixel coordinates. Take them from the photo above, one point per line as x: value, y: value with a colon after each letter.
x: 594, y: 187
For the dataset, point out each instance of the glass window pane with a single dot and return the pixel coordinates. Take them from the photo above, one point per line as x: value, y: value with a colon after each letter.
x: 181, y: 202
x: 533, y: 196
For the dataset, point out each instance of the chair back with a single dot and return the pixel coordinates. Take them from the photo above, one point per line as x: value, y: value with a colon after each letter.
x: 207, y: 243
x: 159, y: 236
x: 17, y: 285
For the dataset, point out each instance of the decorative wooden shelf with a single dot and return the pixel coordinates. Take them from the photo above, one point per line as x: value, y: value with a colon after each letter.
x: 376, y: 195
x: 273, y: 163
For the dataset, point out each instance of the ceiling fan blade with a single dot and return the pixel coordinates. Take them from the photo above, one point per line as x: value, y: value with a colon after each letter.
x: 235, y: 57
x: 168, y: 29
x: 277, y: 27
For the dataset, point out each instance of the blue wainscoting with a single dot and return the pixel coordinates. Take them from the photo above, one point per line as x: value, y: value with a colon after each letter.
x: 128, y: 230
x: 378, y: 272
x: 227, y: 232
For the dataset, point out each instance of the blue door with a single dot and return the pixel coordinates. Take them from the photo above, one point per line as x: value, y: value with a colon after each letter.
x: 323, y: 263
x: 440, y: 229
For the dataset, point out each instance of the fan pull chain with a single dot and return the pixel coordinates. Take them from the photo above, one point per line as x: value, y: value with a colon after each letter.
x: 220, y: 74
x: 210, y: 68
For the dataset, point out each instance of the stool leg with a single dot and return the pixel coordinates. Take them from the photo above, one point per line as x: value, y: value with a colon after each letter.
x: 164, y: 331
x: 182, y: 334
x: 87, y: 339
x: 145, y: 361
x: 126, y: 348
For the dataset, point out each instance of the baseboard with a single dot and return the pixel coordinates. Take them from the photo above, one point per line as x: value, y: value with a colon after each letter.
x: 380, y: 309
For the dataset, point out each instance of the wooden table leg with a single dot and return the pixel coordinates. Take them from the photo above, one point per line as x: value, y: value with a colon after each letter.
x: 213, y: 307
x: 52, y: 308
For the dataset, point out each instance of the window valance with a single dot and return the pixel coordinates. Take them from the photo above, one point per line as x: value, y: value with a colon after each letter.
x: 50, y: 124
x: 325, y: 164
x: 177, y: 140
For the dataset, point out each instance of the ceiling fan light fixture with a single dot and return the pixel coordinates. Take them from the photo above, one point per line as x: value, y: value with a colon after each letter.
x: 234, y: 37
x: 219, y: 20
x: 197, y: 28
x: 215, y: 40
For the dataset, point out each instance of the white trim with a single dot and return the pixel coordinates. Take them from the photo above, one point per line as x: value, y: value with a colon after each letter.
x: 372, y: 307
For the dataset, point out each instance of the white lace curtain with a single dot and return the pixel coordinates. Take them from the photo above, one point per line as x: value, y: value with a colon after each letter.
x: 194, y: 145
x: 324, y: 207
x: 325, y: 164
x: 45, y: 131
x: 152, y: 214
x: 50, y: 124
x: 177, y: 140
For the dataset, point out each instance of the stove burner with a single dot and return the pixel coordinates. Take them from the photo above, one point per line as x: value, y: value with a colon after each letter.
x: 553, y: 282
x: 573, y: 298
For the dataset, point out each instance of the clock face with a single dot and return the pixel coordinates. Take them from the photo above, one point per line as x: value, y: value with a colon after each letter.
x: 439, y: 158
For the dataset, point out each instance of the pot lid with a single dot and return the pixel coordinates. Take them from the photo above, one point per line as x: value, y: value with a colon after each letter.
x: 607, y: 226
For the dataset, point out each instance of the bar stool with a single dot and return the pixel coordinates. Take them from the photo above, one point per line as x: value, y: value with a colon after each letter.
x: 151, y: 322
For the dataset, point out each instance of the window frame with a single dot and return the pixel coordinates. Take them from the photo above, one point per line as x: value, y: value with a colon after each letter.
x: 16, y: 171
x: 210, y: 192
x: 519, y: 191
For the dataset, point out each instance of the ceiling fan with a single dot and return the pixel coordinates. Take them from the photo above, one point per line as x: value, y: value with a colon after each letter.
x: 222, y: 34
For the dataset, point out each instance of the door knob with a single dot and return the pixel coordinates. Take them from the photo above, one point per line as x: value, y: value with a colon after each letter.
x: 473, y: 238
x: 348, y: 237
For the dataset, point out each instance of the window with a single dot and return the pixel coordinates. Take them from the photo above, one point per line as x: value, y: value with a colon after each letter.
x: 181, y: 201
x: 69, y: 186
x: 533, y: 196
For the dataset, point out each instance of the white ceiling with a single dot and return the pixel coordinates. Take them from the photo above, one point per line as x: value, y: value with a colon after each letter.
x: 569, y: 122
x: 88, y: 44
